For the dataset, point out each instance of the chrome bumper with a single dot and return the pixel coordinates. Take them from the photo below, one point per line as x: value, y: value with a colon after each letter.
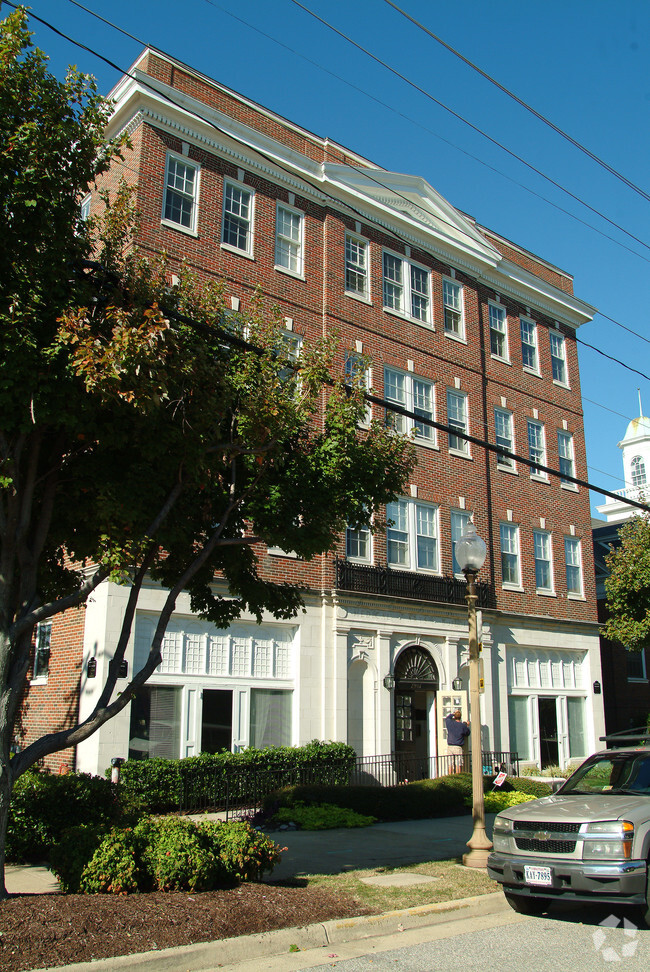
x: 616, y: 881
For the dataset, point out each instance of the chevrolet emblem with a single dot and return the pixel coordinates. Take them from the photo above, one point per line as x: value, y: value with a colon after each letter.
x: 542, y: 835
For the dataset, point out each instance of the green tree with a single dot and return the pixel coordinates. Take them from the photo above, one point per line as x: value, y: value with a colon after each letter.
x: 628, y: 586
x: 140, y: 435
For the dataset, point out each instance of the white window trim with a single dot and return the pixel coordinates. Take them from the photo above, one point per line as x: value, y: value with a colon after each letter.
x: 511, y: 585
x: 364, y: 296
x: 528, y: 368
x: 503, y: 462
x: 360, y: 560
x: 249, y: 251
x: 191, y: 231
x: 412, y: 537
x: 546, y: 591
x: 300, y: 272
x: 556, y: 381
x: 572, y: 487
x: 505, y: 358
x: 350, y: 358
x: 639, y: 679
x: 42, y: 679
x: 539, y: 477
x: 407, y: 293
x: 574, y: 595
x: 465, y: 450
x: 460, y: 334
x: 466, y: 516
x: 409, y: 405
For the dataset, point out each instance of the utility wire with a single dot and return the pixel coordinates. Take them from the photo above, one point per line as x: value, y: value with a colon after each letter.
x: 524, y: 104
x: 465, y: 121
x: 269, y: 158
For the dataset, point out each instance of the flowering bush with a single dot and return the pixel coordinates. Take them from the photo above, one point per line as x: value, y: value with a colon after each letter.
x: 180, y: 855
x: 115, y: 867
x: 500, y: 801
x: 245, y: 852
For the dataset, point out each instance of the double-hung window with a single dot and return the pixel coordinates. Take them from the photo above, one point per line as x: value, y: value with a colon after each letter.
x: 529, y: 344
x: 498, y: 331
x: 573, y: 563
x: 42, y: 650
x: 565, y: 455
x: 358, y: 546
x: 412, y: 539
x: 406, y: 288
x: 459, y: 521
x: 356, y: 266
x: 415, y: 395
x: 289, y: 239
x: 536, y: 448
x: 504, y: 437
x: 181, y: 192
x: 558, y: 357
x: 357, y: 374
x: 510, y: 574
x: 288, y: 350
x: 452, y: 302
x: 237, y: 229
x: 457, y: 419
x: 543, y: 561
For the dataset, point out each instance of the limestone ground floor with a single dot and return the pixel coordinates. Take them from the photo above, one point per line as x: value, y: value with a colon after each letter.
x: 371, y: 671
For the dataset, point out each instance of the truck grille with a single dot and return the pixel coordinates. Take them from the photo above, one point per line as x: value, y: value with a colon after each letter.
x: 548, y: 846
x: 554, y: 827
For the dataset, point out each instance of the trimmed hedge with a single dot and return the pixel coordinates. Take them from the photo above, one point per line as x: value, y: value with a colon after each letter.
x: 162, y: 785
x: 442, y: 797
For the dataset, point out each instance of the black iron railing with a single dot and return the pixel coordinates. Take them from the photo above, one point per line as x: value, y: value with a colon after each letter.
x: 363, y: 579
x: 241, y: 790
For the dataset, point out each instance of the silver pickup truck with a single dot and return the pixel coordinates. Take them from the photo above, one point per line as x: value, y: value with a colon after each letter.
x: 589, y: 841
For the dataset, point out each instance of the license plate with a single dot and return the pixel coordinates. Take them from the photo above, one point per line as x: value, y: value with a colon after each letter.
x: 538, y: 875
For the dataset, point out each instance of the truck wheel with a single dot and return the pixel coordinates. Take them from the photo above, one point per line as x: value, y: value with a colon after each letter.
x: 525, y: 905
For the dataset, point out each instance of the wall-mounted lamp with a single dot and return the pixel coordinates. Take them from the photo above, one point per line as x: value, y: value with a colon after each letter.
x: 457, y: 684
x: 92, y: 667
x: 389, y: 682
x: 596, y: 688
x: 124, y: 669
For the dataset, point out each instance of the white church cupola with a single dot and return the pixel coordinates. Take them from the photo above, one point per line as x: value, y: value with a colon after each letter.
x: 635, y: 446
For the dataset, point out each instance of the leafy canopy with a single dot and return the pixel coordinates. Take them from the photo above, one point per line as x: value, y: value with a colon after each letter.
x: 628, y: 585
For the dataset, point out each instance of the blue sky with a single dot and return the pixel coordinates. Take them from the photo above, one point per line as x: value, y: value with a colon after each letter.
x: 584, y: 64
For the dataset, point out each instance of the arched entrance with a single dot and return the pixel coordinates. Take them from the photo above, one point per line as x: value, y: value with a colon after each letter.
x: 416, y: 683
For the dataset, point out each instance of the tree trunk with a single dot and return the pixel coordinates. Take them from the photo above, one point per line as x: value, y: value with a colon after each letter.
x: 5, y: 802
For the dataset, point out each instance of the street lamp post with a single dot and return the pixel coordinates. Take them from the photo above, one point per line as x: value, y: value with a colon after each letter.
x: 470, y: 555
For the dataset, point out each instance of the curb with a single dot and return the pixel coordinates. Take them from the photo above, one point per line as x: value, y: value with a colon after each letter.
x: 205, y: 956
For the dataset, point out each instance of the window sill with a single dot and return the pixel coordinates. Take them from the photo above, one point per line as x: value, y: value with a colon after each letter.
x: 533, y: 372
x: 459, y: 454
x: 498, y: 357
x: 546, y: 593
x: 507, y: 469
x: 407, y: 317
x: 358, y: 560
x: 278, y: 552
x: 539, y: 479
x: 39, y: 680
x: 562, y: 384
x: 570, y: 487
x: 637, y: 679
x: 290, y: 273
x: 362, y: 298
x: 428, y: 444
x: 456, y: 337
x: 516, y: 588
x: 241, y: 253
x: 181, y: 229
x: 576, y: 597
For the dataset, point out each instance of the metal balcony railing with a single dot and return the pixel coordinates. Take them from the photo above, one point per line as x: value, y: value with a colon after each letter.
x: 362, y: 579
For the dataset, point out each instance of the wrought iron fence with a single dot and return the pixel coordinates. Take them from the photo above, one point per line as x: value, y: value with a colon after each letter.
x: 362, y: 579
x: 240, y: 790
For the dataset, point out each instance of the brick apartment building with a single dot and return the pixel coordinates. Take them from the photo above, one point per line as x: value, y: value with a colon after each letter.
x: 462, y: 327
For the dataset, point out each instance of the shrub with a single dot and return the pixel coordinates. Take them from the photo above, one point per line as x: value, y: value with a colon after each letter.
x: 43, y: 805
x: 180, y: 855
x: 500, y: 801
x: 116, y: 866
x: 535, y: 788
x: 70, y: 855
x: 324, y: 816
x: 245, y: 852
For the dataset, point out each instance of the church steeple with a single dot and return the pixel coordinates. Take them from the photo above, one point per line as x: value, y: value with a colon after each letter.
x: 635, y: 446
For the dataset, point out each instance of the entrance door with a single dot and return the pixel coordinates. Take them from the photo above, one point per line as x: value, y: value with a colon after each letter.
x: 548, y: 741
x: 216, y: 720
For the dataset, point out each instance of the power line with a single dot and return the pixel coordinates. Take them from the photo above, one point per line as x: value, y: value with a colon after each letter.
x: 465, y: 121
x: 524, y: 104
x: 318, y: 188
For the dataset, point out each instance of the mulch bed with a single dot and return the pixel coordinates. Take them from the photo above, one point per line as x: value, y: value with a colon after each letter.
x: 41, y: 930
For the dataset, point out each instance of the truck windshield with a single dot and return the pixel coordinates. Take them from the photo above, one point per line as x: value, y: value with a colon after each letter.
x: 624, y: 773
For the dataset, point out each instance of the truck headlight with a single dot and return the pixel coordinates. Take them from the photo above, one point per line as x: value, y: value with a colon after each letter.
x: 614, y: 840
x: 502, y: 825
